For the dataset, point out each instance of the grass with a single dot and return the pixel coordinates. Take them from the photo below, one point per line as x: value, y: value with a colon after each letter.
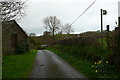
x: 83, y: 65
x: 80, y: 64
x: 18, y: 65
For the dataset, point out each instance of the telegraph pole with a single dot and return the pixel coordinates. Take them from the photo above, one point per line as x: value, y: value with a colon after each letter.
x: 118, y: 37
x: 103, y: 12
x: 101, y: 28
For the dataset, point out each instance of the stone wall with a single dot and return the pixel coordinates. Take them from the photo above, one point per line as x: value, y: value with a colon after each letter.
x: 20, y: 45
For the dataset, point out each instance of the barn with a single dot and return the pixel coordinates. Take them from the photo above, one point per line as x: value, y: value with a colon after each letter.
x: 14, y: 38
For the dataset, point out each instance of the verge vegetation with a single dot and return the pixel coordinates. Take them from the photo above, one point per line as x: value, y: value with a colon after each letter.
x: 88, y: 60
x: 19, y: 65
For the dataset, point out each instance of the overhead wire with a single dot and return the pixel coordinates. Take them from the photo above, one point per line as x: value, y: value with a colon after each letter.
x: 115, y: 4
x: 83, y: 12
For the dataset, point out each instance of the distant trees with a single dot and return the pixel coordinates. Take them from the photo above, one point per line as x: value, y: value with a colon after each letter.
x: 11, y: 9
x: 53, y: 24
x: 67, y: 28
x: 32, y: 34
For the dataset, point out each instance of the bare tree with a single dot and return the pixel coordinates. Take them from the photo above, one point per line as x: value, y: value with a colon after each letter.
x: 11, y: 9
x: 53, y: 24
x: 67, y: 28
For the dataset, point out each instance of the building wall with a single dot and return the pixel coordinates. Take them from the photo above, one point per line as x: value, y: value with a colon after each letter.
x: 12, y: 28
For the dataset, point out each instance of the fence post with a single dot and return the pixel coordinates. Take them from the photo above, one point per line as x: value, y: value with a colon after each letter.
x: 108, y: 41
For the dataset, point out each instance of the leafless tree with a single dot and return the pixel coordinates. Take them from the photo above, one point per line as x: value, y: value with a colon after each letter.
x: 53, y: 24
x: 11, y: 9
x: 67, y: 28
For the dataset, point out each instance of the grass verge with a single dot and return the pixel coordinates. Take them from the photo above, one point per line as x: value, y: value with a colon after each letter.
x: 18, y: 65
x: 82, y: 65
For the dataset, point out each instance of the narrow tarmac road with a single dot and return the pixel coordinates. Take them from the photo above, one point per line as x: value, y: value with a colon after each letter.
x: 49, y: 65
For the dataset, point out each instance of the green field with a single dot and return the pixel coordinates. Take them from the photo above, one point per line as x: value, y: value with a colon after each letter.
x: 18, y: 65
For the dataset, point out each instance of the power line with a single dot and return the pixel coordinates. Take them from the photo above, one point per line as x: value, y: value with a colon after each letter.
x: 83, y: 13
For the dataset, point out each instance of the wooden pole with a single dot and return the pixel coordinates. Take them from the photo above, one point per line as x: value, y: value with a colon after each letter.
x: 118, y: 45
x: 101, y: 29
x: 108, y: 30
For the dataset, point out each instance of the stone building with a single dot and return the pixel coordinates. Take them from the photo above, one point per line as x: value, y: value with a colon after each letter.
x: 14, y: 39
x: 47, y: 33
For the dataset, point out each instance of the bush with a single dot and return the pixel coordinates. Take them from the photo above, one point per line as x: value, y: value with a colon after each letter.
x: 87, y: 52
x: 22, y: 48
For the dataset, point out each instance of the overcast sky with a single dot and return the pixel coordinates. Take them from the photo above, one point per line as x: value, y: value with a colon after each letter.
x: 67, y: 11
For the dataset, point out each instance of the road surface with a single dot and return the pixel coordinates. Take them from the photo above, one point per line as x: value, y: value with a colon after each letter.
x: 49, y: 65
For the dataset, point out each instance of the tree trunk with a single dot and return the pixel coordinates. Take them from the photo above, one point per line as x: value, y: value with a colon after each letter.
x: 53, y: 34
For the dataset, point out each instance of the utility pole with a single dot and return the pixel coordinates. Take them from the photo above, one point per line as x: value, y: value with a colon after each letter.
x: 103, y: 12
x: 118, y: 41
x: 101, y: 29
